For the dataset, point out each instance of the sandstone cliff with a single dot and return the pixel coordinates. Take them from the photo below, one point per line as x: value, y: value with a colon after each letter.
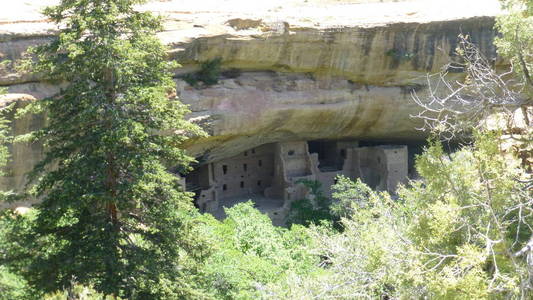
x: 291, y: 70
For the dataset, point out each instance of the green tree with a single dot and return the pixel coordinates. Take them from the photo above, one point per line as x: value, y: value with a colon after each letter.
x: 453, y: 234
x: 11, y: 286
x: 516, y: 40
x: 313, y: 209
x: 516, y: 44
x: 252, y: 254
x: 4, y: 129
x: 111, y: 216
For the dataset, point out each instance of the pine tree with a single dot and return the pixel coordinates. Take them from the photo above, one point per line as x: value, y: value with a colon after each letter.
x: 111, y: 216
x: 4, y: 136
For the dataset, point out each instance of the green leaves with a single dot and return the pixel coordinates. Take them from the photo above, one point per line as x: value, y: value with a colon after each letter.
x: 111, y: 216
x: 251, y: 253
x: 5, y: 137
x: 516, y: 40
x: 449, y: 235
x: 311, y: 210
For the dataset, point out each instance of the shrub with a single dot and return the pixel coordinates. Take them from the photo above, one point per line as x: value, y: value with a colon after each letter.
x: 451, y: 235
x: 252, y: 253
x: 209, y: 73
x: 311, y: 210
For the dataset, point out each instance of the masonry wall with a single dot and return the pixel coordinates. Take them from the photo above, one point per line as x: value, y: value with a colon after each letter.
x: 248, y: 173
x: 397, y: 165
x: 382, y: 167
x: 372, y: 167
x: 273, y: 171
x: 295, y: 156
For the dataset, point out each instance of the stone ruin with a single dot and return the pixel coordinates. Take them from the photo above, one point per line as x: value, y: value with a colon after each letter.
x: 283, y: 77
x: 269, y: 174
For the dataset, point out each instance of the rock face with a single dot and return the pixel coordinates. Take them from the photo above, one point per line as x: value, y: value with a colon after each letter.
x: 289, y: 71
x: 316, y: 84
x: 265, y: 107
x: 394, y: 54
x: 23, y: 155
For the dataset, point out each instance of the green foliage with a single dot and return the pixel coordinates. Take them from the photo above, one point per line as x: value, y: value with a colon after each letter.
x: 360, y: 262
x: 111, y: 216
x: 4, y: 64
x: 209, y: 73
x: 450, y: 235
x: 399, y: 55
x: 349, y: 195
x: 4, y: 125
x: 5, y: 139
x: 251, y: 253
x: 11, y: 285
x: 467, y: 220
x: 516, y: 39
x: 14, y: 287
x: 78, y: 292
x: 312, y: 210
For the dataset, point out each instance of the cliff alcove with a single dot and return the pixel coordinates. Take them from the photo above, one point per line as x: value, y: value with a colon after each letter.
x: 291, y: 80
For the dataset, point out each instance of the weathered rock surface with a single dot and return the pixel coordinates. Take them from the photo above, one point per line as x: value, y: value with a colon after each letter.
x: 300, y: 70
x: 264, y: 107
x: 23, y: 155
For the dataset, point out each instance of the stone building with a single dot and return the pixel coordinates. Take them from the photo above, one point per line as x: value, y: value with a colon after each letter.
x: 270, y: 174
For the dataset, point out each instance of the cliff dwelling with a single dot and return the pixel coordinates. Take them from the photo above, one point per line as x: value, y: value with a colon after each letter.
x: 271, y: 174
x: 291, y: 98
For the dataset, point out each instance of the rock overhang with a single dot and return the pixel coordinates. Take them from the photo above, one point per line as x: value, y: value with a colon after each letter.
x: 307, y: 70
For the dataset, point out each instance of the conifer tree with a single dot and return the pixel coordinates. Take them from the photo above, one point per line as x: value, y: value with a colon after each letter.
x: 111, y: 216
x: 4, y: 136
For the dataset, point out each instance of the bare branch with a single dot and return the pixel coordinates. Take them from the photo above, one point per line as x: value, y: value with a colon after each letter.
x: 453, y: 109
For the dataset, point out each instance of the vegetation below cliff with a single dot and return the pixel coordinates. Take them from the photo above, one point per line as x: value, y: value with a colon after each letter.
x: 113, y: 222
x: 451, y: 234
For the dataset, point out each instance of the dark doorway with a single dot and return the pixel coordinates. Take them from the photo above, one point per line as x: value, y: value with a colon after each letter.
x: 330, y: 158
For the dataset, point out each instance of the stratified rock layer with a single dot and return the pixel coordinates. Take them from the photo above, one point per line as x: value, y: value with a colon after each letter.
x: 264, y: 107
x: 287, y: 78
x: 394, y: 54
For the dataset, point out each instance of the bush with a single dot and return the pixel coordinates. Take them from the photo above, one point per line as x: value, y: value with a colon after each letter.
x: 312, y: 210
x: 451, y: 235
x: 252, y: 253
x: 209, y: 73
x: 12, y: 286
